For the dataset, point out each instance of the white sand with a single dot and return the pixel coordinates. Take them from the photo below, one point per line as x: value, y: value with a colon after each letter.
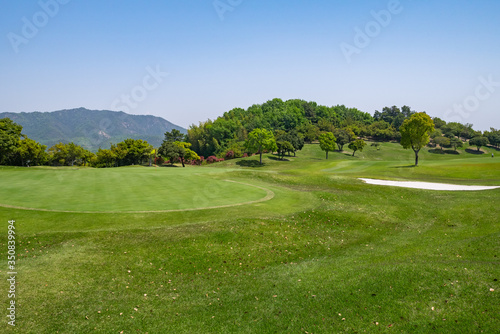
x: 427, y: 185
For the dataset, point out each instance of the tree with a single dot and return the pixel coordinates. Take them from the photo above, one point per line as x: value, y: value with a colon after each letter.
x: 10, y: 136
x: 32, y: 153
x: 260, y: 140
x: 177, y: 151
x: 170, y: 151
x: 104, y: 158
x: 343, y: 136
x: 186, y: 153
x: 376, y: 145
x: 66, y: 154
x: 456, y: 142
x: 136, y: 150
x: 174, y: 135
x: 442, y: 141
x: 310, y: 132
x: 327, y: 142
x: 479, y: 141
x: 283, y: 147
x: 293, y: 137
x: 357, y: 145
x: 415, y: 132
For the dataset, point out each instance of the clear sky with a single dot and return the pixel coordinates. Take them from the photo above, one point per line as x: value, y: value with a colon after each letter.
x: 190, y: 60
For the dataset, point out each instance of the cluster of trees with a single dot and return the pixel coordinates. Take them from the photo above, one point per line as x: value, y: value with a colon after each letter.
x: 18, y: 150
x: 308, y: 120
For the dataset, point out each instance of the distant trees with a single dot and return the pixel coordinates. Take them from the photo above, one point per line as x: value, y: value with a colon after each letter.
x: 260, y: 140
x: 479, y: 141
x: 493, y: 136
x: 442, y: 141
x: 327, y: 142
x: 456, y: 142
x: 357, y: 145
x: 415, y: 132
x: 67, y: 154
x: 294, y: 139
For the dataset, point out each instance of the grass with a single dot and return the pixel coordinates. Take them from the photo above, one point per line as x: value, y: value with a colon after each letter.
x: 123, y: 189
x: 327, y: 254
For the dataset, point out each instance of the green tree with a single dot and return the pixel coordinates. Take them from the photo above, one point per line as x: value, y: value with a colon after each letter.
x: 104, y: 158
x: 177, y: 151
x: 187, y: 153
x: 174, y: 135
x: 415, y: 132
x: 283, y: 147
x: 442, y: 141
x: 170, y: 151
x: 327, y: 142
x: 260, y: 140
x: 10, y: 136
x: 310, y: 132
x: 66, y: 154
x: 32, y: 153
x: 357, y: 145
x: 137, y: 150
x: 456, y: 142
x: 479, y: 141
x: 343, y: 136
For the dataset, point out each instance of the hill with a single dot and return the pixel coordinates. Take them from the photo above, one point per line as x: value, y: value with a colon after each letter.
x: 91, y: 128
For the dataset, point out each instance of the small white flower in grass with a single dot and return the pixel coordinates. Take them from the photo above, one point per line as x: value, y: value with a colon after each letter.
x: 492, y: 290
x: 432, y: 308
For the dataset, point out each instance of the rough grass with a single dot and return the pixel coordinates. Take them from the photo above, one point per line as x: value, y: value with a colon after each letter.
x: 327, y: 254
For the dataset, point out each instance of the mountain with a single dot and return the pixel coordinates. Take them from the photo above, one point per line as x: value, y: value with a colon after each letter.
x: 91, y: 128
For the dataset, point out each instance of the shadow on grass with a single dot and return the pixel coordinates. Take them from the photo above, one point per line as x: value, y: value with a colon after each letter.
x: 409, y: 166
x: 494, y: 148
x: 473, y: 151
x: 439, y: 151
x: 250, y: 163
x: 278, y: 159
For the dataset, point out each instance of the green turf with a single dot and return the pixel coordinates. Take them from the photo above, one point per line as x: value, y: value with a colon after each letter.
x: 326, y: 254
x: 122, y: 189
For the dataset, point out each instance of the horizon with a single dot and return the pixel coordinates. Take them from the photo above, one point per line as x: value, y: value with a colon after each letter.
x: 188, y: 63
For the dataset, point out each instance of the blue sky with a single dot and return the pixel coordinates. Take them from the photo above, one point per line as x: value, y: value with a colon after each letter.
x: 186, y: 61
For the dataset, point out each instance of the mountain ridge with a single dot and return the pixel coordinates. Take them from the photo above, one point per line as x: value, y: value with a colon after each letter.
x: 92, y: 129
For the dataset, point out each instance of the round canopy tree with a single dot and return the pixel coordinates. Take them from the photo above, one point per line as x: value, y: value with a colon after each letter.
x: 415, y: 132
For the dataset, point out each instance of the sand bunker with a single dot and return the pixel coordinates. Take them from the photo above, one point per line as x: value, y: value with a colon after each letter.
x: 427, y: 185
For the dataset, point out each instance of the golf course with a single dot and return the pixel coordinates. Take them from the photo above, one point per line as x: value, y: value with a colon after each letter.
x: 298, y: 245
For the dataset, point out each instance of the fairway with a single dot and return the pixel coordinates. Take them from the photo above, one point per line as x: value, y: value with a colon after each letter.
x: 123, y: 189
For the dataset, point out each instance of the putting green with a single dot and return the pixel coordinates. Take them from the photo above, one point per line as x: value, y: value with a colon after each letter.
x: 123, y: 189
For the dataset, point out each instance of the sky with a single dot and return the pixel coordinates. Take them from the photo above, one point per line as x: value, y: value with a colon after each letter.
x: 192, y: 60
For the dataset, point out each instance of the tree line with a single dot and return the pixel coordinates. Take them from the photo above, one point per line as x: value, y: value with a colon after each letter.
x: 275, y: 126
